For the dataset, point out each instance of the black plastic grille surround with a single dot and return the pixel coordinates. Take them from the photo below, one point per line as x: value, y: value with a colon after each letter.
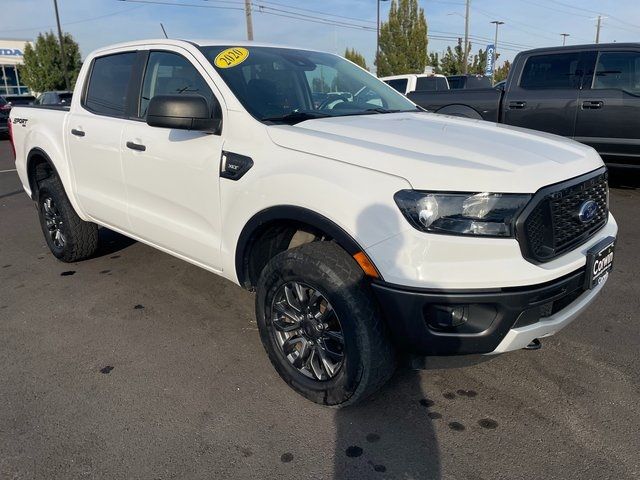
x: 550, y: 226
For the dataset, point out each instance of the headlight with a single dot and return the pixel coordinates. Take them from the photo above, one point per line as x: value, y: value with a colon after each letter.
x: 490, y: 214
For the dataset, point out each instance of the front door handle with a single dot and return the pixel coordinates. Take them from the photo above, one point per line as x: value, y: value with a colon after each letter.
x: 136, y: 146
x: 592, y: 104
x: 77, y: 133
x: 517, y: 105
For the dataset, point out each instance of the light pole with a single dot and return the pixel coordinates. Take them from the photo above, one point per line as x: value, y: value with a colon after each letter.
x: 600, y: 17
x: 465, y: 67
x: 495, y: 49
x: 564, y: 38
x: 378, y: 33
x: 62, y: 54
x: 247, y: 13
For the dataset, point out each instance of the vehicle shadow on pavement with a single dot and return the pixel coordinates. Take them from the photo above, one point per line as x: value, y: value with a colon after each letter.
x: 389, y: 436
x: 111, y: 242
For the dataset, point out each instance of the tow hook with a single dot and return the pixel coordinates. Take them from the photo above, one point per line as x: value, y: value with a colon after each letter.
x: 535, y: 345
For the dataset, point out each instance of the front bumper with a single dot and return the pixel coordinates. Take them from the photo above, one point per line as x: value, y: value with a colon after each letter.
x: 497, y: 320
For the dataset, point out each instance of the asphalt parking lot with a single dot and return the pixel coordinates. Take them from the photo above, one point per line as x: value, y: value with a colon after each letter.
x: 137, y: 365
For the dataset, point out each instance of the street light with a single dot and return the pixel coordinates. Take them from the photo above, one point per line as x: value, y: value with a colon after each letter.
x: 495, y: 49
x: 63, y: 56
x: 378, y: 33
x: 564, y: 38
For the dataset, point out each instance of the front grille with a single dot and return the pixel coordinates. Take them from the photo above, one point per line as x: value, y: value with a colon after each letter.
x: 551, y: 225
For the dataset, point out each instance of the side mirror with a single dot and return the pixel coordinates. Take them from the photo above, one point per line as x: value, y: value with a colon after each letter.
x: 183, y: 112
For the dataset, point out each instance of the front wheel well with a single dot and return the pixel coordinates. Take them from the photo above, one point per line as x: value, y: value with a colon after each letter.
x: 278, y: 229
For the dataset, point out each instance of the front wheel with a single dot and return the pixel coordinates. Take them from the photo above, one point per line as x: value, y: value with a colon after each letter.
x: 321, y: 326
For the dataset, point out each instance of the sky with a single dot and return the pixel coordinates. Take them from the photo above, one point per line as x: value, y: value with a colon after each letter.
x: 330, y: 25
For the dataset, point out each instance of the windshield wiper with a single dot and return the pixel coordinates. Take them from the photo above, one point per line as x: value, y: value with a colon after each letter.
x: 296, y: 117
x: 372, y: 111
x: 380, y: 110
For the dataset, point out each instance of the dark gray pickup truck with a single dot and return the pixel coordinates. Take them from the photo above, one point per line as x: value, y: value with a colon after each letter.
x: 590, y: 93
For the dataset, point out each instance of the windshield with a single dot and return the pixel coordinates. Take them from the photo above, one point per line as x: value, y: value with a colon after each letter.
x: 281, y: 85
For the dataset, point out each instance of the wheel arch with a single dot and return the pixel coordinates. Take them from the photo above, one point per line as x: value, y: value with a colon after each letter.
x: 39, y: 167
x: 287, y: 218
x: 457, y: 110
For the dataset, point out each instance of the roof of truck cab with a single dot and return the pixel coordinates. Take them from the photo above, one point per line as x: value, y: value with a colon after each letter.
x: 588, y: 46
x: 196, y: 43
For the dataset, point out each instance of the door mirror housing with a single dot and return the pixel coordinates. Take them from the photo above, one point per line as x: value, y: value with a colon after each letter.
x: 183, y: 112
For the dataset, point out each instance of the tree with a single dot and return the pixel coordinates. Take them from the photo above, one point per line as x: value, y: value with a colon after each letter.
x: 403, y: 40
x: 453, y: 59
x: 502, y: 71
x: 478, y: 63
x: 434, y: 61
x: 42, y: 68
x: 356, y: 57
x: 452, y: 62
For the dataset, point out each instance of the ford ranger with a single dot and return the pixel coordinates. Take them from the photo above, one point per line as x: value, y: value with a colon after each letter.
x: 366, y: 226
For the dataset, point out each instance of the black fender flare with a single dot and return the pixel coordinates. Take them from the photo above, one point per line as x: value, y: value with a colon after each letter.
x: 286, y: 213
x: 37, y: 152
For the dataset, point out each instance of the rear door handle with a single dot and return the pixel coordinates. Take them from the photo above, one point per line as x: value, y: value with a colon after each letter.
x: 592, y: 104
x: 77, y: 133
x: 517, y: 105
x: 136, y: 146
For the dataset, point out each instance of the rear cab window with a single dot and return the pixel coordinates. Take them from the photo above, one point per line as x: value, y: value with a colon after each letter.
x: 431, y: 84
x: 107, y: 88
x: 398, y: 84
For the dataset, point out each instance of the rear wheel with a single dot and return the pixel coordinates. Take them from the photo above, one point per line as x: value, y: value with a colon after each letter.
x: 321, y: 326
x: 69, y: 237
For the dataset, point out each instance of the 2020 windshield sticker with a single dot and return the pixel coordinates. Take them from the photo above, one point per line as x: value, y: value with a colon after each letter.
x: 231, y: 57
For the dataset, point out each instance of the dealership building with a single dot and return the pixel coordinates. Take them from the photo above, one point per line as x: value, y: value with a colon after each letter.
x: 11, y: 52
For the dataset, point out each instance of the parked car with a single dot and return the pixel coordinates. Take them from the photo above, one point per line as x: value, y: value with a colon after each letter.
x: 468, y: 82
x: 4, y: 115
x: 19, y: 99
x: 590, y: 93
x: 500, y: 85
x: 421, y: 82
x: 366, y: 228
x: 54, y: 98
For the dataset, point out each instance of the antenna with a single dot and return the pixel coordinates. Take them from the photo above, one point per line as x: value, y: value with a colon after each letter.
x: 164, y: 31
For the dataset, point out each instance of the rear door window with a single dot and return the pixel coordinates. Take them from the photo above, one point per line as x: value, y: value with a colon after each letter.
x: 108, y: 84
x: 557, y: 71
x: 618, y: 70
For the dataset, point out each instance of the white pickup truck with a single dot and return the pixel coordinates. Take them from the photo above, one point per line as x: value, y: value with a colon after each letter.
x: 366, y: 226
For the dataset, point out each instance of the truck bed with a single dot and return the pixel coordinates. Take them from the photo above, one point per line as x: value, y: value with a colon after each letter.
x: 484, y: 102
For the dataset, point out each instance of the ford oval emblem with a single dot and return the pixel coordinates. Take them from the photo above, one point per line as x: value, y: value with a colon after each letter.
x: 587, y: 211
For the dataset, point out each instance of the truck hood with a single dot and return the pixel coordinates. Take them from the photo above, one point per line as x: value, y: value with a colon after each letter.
x: 438, y: 152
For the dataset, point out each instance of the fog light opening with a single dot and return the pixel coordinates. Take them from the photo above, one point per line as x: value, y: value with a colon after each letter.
x: 445, y: 317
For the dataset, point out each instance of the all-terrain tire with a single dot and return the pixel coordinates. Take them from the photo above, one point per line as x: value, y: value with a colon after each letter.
x: 80, y: 237
x: 369, y: 357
